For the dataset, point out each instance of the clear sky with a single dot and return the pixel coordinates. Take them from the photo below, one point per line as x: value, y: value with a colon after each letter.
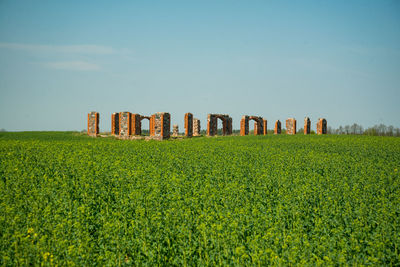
x: 60, y: 60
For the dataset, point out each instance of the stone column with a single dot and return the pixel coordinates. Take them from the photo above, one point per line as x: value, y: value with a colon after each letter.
x: 188, y: 124
x: 93, y: 123
x: 291, y: 126
x: 307, y: 125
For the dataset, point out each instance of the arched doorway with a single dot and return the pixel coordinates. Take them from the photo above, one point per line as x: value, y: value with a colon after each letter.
x: 212, y: 124
x: 260, y: 125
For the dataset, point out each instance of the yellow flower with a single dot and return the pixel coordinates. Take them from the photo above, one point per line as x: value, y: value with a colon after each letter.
x: 30, y: 230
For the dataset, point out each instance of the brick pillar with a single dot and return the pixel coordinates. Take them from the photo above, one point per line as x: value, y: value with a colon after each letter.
x: 322, y: 126
x: 152, y: 125
x: 115, y: 123
x: 125, y: 119
x: 291, y: 126
x: 277, y: 129
x: 136, y: 124
x: 244, y: 125
x: 228, y: 125
x: 188, y: 124
x: 307, y: 125
x: 265, y: 127
x: 93, y: 123
x: 210, y: 125
x: 161, y: 125
x: 196, y: 127
x: 256, y: 127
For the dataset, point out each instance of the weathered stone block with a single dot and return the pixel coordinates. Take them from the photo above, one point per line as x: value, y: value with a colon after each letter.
x: 175, y: 130
x: 196, y: 127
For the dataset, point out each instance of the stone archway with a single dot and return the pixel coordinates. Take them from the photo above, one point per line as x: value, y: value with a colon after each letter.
x: 260, y: 125
x: 212, y: 124
x: 125, y: 124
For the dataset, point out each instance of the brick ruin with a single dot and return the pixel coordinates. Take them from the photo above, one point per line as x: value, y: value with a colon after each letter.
x: 291, y: 126
x: 260, y: 125
x: 321, y: 126
x: 188, y: 124
x: 126, y: 125
x: 196, y: 127
x: 160, y: 124
x: 277, y: 129
x: 212, y: 124
x: 307, y: 125
x: 93, y: 123
x: 175, y: 130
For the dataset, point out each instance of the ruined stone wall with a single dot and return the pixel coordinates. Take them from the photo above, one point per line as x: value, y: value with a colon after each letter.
x: 322, y: 126
x: 196, y: 127
x: 188, y: 124
x: 291, y: 126
x: 93, y: 123
x: 125, y: 119
x: 307, y: 125
x: 115, y: 123
x: 212, y: 124
x: 161, y: 125
x: 277, y: 129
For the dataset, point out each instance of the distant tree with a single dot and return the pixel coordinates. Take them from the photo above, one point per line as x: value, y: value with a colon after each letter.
x: 347, y: 129
x: 3, y: 130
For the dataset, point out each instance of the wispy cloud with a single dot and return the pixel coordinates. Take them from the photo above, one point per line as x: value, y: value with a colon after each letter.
x: 73, y: 65
x: 67, y: 49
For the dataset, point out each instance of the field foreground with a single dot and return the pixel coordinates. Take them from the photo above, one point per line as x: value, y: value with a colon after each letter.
x: 70, y: 199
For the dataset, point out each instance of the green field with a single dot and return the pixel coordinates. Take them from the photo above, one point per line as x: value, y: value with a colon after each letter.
x: 254, y: 200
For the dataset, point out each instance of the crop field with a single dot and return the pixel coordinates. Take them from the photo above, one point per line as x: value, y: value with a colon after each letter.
x: 68, y: 199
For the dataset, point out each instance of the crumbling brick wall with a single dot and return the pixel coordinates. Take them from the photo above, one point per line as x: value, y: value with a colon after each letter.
x: 291, y: 126
x: 93, y: 123
x: 258, y: 125
x: 277, y: 129
x: 125, y: 119
x: 307, y: 125
x: 196, y: 127
x: 212, y: 124
x: 322, y: 126
x: 115, y: 123
x: 188, y: 124
x: 161, y: 125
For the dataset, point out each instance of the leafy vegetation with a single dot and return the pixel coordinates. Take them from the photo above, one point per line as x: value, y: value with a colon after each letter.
x: 325, y: 200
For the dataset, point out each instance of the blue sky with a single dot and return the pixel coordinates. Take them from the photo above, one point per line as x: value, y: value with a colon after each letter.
x: 277, y: 59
